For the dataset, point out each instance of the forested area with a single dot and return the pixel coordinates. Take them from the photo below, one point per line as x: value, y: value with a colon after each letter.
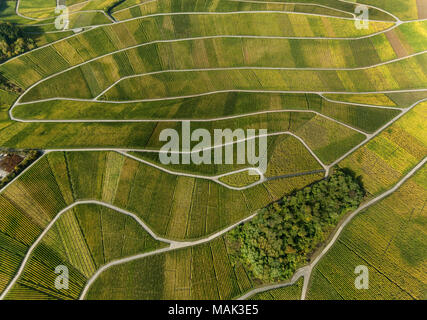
x: 282, y: 236
x: 13, y: 41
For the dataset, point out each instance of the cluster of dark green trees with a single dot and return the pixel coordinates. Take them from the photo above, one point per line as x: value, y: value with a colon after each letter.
x: 282, y: 236
x: 109, y: 8
x: 13, y: 41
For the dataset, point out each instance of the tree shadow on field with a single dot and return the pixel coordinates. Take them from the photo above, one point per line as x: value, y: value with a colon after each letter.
x: 33, y: 32
x: 357, y: 179
x: 3, y: 5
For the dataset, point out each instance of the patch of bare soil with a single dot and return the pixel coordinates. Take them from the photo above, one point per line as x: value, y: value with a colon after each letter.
x: 397, y: 45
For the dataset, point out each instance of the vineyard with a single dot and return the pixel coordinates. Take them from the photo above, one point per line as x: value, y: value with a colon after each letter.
x: 394, y: 250
x: 339, y: 103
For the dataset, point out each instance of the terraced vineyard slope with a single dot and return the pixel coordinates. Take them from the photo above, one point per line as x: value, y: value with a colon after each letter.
x: 213, y: 149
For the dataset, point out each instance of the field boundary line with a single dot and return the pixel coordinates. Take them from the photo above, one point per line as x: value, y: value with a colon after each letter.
x: 21, y: 15
x: 216, y: 178
x: 325, y: 167
x: 197, y: 176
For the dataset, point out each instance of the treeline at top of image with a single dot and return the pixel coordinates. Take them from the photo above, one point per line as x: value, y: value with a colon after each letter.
x: 284, y: 235
x: 7, y: 171
x: 13, y: 41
